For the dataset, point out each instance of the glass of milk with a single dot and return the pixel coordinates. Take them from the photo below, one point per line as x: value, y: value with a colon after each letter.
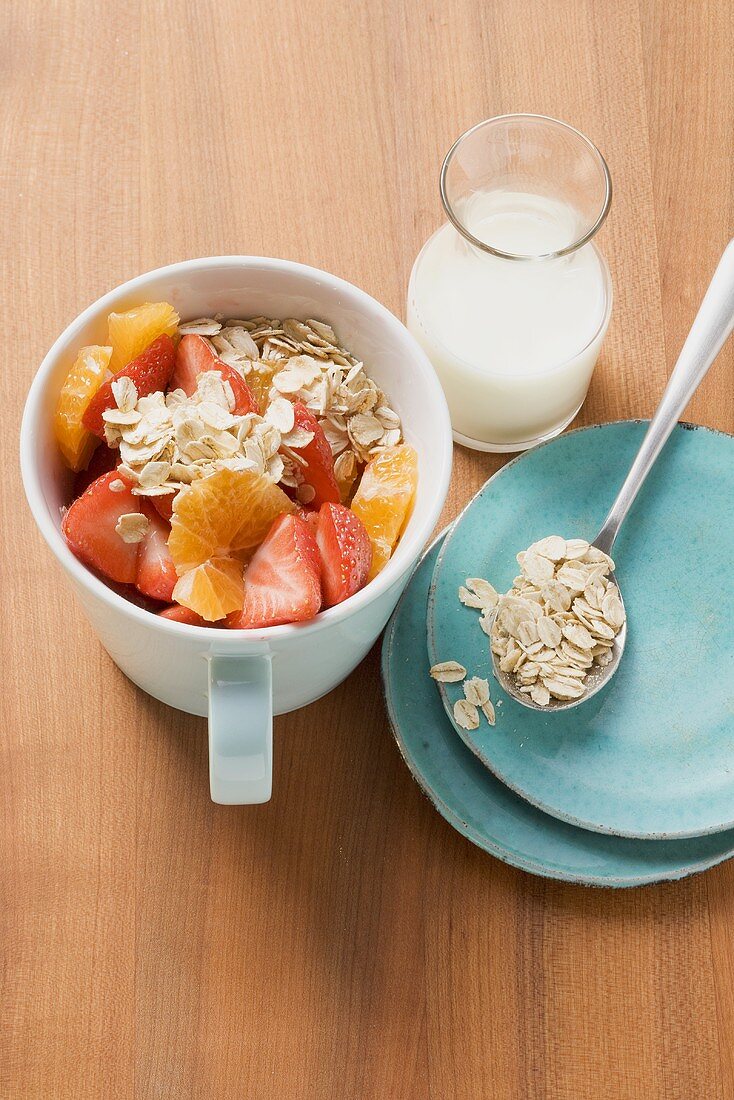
x: 511, y: 298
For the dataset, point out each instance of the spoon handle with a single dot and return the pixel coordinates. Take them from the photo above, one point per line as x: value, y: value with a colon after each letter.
x: 713, y: 324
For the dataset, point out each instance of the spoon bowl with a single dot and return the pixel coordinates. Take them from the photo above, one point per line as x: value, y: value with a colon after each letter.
x: 597, y: 677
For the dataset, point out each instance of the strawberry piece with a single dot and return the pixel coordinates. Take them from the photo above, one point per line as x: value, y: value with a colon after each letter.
x: 150, y: 372
x: 89, y: 529
x: 163, y: 505
x: 319, y: 469
x: 346, y: 553
x: 309, y: 516
x: 193, y: 357
x: 282, y: 582
x: 102, y: 461
x: 179, y: 614
x: 156, y: 574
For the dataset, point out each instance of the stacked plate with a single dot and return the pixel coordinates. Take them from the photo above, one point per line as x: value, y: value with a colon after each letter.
x: 636, y: 785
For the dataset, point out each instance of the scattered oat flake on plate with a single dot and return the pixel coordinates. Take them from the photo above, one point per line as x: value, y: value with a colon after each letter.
x: 476, y: 691
x: 488, y: 711
x: 466, y: 714
x: 448, y: 672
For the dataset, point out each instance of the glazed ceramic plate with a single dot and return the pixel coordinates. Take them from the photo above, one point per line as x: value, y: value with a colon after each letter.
x: 485, y: 810
x: 652, y: 755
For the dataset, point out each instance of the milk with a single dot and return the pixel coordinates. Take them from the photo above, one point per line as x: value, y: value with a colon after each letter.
x: 514, y: 342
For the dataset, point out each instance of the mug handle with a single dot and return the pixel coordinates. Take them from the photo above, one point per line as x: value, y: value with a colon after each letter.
x: 240, y: 728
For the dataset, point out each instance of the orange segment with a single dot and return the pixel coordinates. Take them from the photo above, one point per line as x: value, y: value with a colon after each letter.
x: 133, y: 331
x: 82, y: 382
x: 383, y: 500
x: 260, y: 379
x: 226, y: 513
x: 213, y: 589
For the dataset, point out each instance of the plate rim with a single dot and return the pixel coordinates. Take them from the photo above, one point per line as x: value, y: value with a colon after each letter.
x: 570, y: 819
x: 493, y: 847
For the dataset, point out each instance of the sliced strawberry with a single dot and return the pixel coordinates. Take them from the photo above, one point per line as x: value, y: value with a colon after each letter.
x: 89, y: 528
x: 163, y: 505
x: 193, y: 357
x: 150, y: 372
x: 244, y: 400
x: 282, y: 582
x: 179, y: 614
x: 346, y: 553
x: 319, y: 469
x: 102, y: 461
x: 309, y: 516
x: 156, y: 574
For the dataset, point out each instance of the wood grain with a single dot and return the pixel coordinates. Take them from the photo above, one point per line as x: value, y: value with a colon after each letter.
x: 341, y: 942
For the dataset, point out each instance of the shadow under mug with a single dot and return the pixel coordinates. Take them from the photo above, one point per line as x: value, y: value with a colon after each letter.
x: 240, y: 679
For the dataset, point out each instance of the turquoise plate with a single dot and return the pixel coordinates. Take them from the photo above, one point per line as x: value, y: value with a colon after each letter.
x: 652, y: 755
x: 483, y: 809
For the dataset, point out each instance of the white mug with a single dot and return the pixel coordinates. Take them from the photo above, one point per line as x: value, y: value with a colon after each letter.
x: 240, y: 678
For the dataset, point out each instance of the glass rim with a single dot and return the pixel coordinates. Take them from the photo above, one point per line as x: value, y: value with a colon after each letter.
x: 490, y: 249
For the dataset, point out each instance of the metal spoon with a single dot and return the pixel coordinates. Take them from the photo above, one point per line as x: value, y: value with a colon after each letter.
x: 711, y: 327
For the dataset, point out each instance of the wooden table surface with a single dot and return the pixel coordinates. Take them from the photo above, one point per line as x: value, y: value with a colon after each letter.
x: 341, y: 942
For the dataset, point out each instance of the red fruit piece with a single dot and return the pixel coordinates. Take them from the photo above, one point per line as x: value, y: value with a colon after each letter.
x: 180, y: 614
x: 282, y: 582
x: 193, y: 357
x: 309, y: 516
x: 89, y: 528
x: 102, y: 461
x: 163, y: 505
x: 346, y: 553
x: 319, y: 469
x: 150, y: 372
x: 156, y: 574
